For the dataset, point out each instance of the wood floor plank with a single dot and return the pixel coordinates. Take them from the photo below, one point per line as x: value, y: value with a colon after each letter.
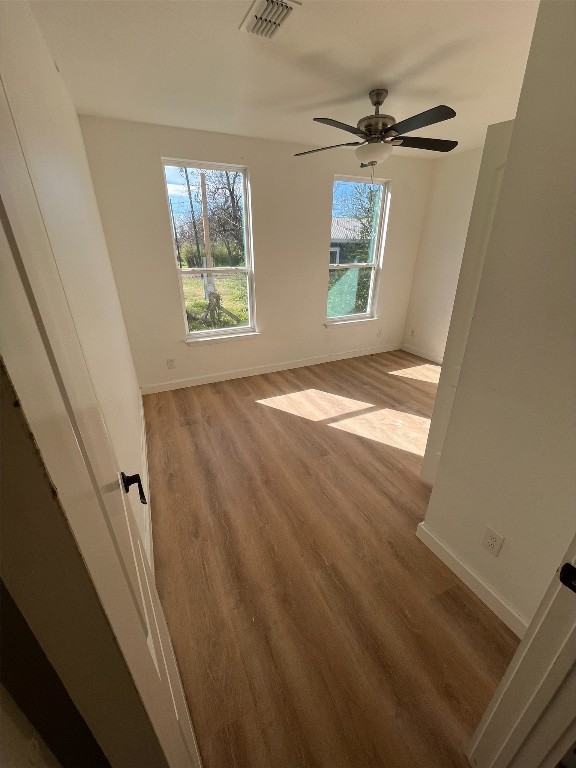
x: 311, y: 626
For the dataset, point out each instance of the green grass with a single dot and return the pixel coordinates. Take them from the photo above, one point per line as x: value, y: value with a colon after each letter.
x: 233, y: 297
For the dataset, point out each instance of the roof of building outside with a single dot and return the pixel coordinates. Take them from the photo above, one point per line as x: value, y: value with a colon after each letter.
x: 344, y: 229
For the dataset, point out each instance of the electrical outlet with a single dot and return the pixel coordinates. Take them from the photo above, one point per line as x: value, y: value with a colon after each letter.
x: 379, y: 332
x: 412, y: 333
x: 492, y: 541
x: 170, y: 363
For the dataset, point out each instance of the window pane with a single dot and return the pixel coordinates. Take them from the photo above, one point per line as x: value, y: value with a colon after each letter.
x: 218, y: 193
x: 355, y: 215
x: 216, y: 301
x: 349, y: 291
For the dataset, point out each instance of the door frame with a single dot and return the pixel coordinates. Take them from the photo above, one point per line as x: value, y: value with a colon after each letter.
x: 528, y: 712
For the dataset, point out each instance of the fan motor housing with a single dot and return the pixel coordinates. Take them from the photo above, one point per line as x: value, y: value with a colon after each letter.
x: 376, y: 125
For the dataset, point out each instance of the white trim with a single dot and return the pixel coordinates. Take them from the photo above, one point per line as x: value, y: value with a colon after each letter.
x: 247, y: 269
x: 422, y: 353
x: 353, y: 265
x: 362, y: 179
x: 382, y: 235
x: 526, y: 694
x: 493, y: 600
x: 329, y: 322
x: 148, y: 539
x: 200, y: 164
x: 566, y: 742
x: 379, y: 240
x: 240, y: 373
x: 218, y: 270
x: 544, y: 696
x: 239, y: 333
x: 338, y: 319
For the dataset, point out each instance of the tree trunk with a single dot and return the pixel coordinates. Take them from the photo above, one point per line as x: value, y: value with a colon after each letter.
x: 230, y: 256
x: 236, y: 213
x: 195, y: 228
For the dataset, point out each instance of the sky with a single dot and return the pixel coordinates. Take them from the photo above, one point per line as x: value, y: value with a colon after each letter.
x: 178, y: 193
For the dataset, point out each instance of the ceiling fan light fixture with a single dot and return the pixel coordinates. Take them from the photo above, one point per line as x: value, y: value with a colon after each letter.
x: 373, y: 154
x: 380, y: 133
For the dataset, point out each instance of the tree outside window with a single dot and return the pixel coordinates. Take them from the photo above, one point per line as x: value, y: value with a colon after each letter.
x: 208, y: 211
x: 357, y: 237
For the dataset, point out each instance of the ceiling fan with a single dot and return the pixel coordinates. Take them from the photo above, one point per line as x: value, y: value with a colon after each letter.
x: 379, y: 133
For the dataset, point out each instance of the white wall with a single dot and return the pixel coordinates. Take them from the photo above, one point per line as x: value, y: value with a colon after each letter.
x: 494, y: 156
x: 510, y: 449
x: 51, y: 140
x: 440, y: 253
x: 291, y: 206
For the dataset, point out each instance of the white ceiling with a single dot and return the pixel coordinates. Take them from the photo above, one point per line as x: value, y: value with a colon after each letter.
x: 187, y: 64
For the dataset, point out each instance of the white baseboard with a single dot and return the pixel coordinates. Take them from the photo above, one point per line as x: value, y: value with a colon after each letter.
x: 272, y: 368
x: 422, y: 353
x: 501, y: 608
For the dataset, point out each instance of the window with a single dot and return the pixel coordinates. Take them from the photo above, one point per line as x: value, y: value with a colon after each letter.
x: 335, y: 255
x: 359, y: 211
x: 210, y: 227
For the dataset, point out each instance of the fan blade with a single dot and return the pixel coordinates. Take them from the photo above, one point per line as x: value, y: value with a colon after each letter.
x: 431, y: 116
x: 342, y: 126
x: 418, y: 142
x: 332, y: 146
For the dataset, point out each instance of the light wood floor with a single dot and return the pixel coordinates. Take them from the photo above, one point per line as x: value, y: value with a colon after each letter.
x: 311, y: 626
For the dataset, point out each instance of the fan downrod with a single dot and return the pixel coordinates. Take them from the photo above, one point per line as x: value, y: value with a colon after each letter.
x: 377, y: 97
x: 376, y: 125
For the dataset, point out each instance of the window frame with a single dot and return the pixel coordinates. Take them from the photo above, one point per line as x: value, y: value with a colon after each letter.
x: 217, y: 334
x: 337, y: 249
x: 376, y: 264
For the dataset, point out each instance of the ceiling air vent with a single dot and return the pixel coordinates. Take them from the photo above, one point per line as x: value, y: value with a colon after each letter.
x: 265, y: 17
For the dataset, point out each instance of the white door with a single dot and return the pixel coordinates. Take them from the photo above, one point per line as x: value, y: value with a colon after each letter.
x: 45, y: 361
x: 531, y: 720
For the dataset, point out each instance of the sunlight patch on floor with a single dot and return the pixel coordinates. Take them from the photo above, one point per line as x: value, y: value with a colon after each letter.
x: 315, y: 405
x: 394, y: 428
x: 427, y: 372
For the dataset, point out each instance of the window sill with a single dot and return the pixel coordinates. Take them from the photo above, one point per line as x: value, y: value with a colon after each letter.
x: 347, y: 320
x: 225, y: 337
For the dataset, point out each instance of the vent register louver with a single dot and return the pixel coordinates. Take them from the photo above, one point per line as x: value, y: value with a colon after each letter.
x: 265, y: 17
